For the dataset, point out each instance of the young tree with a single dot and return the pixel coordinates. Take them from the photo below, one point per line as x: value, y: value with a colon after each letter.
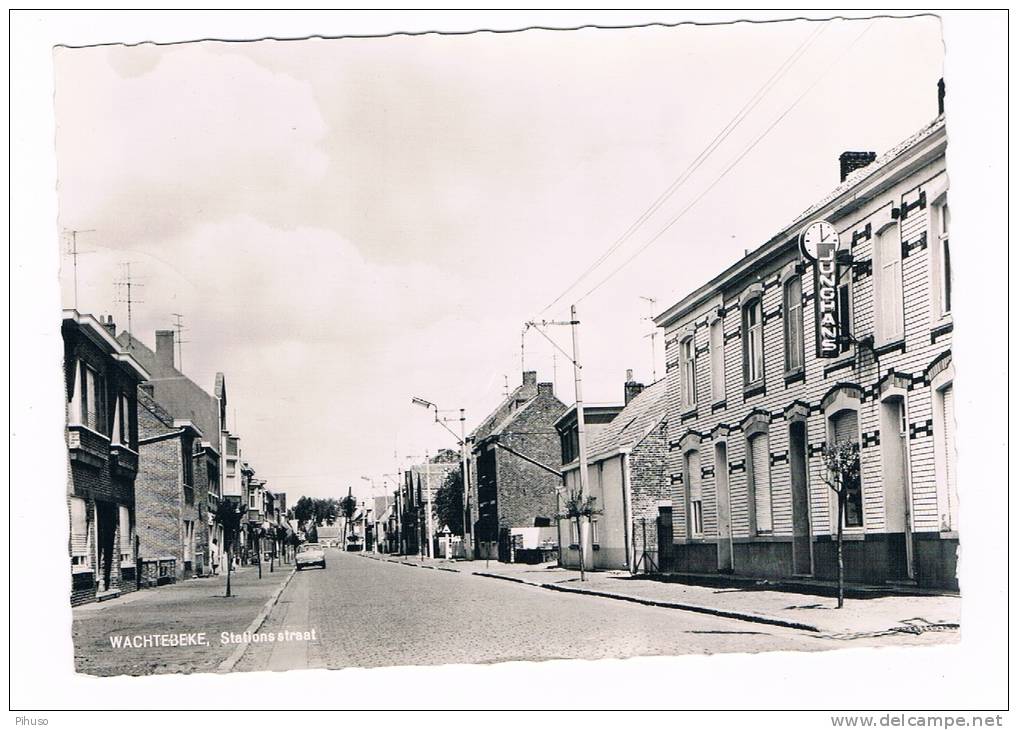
x: 841, y: 474
x: 576, y: 509
x: 347, y: 506
x: 448, y: 503
x: 304, y: 510
x: 228, y: 515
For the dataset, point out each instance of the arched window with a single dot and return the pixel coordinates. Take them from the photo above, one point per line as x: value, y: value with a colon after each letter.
x: 758, y: 463
x: 845, y: 427
x: 794, y: 349
x: 890, y: 307
x: 694, y: 495
x: 752, y: 342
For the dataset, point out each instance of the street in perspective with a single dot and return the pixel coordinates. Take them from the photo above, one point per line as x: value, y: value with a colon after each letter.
x: 390, y: 375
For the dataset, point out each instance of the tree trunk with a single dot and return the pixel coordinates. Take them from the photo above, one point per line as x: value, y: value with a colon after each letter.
x: 841, y: 548
x: 229, y: 567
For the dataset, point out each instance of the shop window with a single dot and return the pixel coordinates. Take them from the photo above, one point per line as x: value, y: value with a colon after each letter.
x: 845, y: 428
x: 80, y: 544
x: 126, y: 536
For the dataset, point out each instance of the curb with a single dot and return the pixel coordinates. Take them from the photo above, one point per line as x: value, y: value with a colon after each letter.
x: 692, y: 607
x: 230, y: 662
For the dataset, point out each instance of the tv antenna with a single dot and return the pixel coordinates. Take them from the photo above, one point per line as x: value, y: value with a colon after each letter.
x: 72, y: 250
x: 126, y: 285
x: 179, y: 326
x: 651, y: 301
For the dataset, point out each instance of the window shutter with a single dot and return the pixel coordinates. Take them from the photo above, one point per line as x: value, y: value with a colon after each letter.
x: 693, y: 476
x: 761, y: 482
x: 845, y: 427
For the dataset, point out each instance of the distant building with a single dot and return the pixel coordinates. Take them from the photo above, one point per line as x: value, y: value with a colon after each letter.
x: 421, y: 483
x: 101, y: 383
x: 753, y: 399
x: 515, y: 456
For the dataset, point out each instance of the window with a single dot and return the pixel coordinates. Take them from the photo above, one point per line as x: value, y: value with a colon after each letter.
x: 752, y: 342
x: 187, y: 462
x: 794, y: 350
x: 574, y: 536
x: 890, y: 311
x: 92, y: 400
x: 252, y: 500
x: 122, y: 421
x: 845, y: 428
x: 694, y: 493
x: 687, y: 356
x: 80, y: 552
x: 717, y: 360
x: 941, y: 221
x: 760, y: 479
x: 126, y: 536
x: 945, y: 414
x: 593, y: 532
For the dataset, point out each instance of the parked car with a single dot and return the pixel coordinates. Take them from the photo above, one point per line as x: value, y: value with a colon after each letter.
x: 310, y: 553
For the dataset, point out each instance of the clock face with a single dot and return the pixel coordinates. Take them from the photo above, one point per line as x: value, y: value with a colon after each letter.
x: 819, y: 240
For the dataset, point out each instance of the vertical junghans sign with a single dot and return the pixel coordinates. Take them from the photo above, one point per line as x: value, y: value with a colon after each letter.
x: 819, y: 243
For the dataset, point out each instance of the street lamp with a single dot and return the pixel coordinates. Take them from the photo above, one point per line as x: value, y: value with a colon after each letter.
x: 462, y: 440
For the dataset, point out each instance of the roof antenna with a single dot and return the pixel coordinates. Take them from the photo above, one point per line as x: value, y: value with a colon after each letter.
x: 179, y: 326
x: 125, y: 285
x: 651, y: 301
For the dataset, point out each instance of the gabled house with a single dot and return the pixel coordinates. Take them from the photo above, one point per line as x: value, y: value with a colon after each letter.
x: 100, y: 385
x: 515, y: 456
x: 627, y: 473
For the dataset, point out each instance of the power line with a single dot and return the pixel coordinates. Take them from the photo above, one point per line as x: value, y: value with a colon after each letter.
x: 728, y: 169
x: 720, y: 137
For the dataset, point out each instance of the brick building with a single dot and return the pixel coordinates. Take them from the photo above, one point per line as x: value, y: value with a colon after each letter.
x: 183, y: 399
x: 627, y: 476
x: 515, y: 454
x: 167, y: 504
x: 100, y: 384
x: 751, y: 402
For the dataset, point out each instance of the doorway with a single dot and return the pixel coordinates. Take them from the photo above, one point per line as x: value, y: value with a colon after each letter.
x: 894, y: 458
x: 726, y: 561
x: 665, y: 538
x: 802, y: 542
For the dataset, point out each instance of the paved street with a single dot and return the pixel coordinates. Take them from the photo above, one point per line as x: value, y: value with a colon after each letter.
x: 372, y: 613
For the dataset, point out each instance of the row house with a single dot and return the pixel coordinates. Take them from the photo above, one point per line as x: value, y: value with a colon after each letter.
x: 101, y: 383
x: 514, y: 455
x: 751, y: 401
x: 170, y: 397
x: 627, y: 477
x: 169, y: 520
x: 421, y: 483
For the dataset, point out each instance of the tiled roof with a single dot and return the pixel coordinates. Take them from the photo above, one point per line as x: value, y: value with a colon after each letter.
x: 632, y: 425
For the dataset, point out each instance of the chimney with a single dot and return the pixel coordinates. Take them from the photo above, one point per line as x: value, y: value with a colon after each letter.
x: 164, y: 348
x: 940, y: 97
x: 546, y: 389
x: 109, y: 324
x: 632, y: 388
x: 530, y: 377
x: 852, y: 161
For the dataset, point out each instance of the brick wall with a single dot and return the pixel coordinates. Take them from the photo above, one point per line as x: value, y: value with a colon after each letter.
x: 649, y: 485
x: 158, y: 493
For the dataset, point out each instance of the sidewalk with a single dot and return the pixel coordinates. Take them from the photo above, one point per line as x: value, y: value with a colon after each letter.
x: 189, y: 607
x: 864, y: 614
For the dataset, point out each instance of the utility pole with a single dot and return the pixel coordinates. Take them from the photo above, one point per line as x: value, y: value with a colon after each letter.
x: 468, y: 545
x: 651, y: 301
x: 427, y: 488
x: 586, y: 551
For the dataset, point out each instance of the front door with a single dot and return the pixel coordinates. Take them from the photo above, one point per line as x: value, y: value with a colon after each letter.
x: 665, y: 538
x: 726, y: 562
x: 802, y: 544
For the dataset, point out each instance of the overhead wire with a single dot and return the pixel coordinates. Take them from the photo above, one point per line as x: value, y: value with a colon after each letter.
x: 729, y: 168
x: 695, y: 164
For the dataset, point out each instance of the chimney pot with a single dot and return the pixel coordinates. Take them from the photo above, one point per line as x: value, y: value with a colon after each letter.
x: 164, y: 348
x: 632, y: 389
x: 629, y: 375
x: 851, y: 161
x: 109, y: 324
x: 940, y: 97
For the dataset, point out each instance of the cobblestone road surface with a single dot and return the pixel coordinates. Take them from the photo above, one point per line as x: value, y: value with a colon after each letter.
x: 371, y: 613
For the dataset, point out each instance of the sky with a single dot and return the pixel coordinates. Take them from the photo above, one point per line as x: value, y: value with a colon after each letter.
x: 345, y: 224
